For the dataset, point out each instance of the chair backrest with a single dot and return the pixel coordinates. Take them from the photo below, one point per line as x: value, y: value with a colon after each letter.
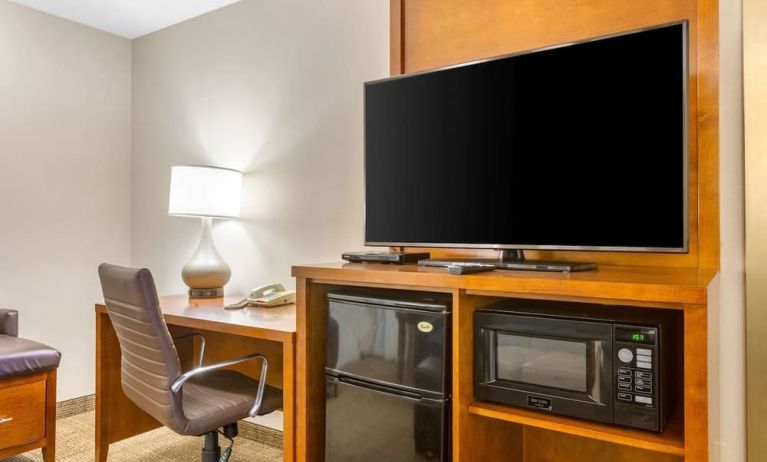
x: 150, y: 361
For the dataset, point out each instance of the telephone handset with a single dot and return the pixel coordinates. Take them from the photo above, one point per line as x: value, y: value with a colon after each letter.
x: 271, y: 295
x: 267, y: 295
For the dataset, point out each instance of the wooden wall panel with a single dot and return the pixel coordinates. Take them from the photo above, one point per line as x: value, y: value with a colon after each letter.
x: 441, y: 32
x: 396, y: 44
x: 435, y: 33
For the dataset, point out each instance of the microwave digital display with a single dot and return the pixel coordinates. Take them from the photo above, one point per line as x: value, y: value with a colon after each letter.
x: 644, y: 336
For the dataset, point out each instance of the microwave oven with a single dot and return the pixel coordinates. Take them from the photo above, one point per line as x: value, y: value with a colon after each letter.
x: 611, y: 364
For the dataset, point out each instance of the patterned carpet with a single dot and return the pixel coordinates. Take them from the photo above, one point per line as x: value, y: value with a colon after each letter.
x: 75, y: 444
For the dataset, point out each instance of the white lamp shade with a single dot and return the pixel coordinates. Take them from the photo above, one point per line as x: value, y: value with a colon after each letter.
x: 204, y: 192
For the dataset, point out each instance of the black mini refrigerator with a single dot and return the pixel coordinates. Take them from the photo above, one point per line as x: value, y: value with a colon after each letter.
x: 387, y: 376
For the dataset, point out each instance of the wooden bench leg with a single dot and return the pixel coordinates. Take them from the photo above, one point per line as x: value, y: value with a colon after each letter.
x: 49, y: 450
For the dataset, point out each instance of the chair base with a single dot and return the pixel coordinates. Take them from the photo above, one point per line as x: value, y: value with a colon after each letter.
x: 211, y: 452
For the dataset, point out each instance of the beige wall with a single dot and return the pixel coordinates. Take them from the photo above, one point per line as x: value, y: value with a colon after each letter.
x: 64, y: 178
x: 755, y: 91
x: 273, y: 88
x: 731, y: 323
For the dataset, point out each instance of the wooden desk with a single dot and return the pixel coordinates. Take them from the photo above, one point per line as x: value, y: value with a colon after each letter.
x: 488, y: 432
x: 270, y: 331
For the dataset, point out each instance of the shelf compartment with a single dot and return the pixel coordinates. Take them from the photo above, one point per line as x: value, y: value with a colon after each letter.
x: 671, y: 441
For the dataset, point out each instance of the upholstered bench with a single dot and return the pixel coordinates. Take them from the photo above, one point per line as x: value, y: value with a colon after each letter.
x: 27, y: 392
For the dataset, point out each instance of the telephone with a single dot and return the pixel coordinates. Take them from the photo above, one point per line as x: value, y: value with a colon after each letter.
x: 268, y: 295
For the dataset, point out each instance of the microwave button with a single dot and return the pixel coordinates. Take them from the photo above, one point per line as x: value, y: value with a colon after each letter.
x: 640, y: 389
x: 644, y: 365
x: 643, y: 400
x: 625, y: 355
x: 624, y: 386
x: 624, y: 379
x: 644, y: 351
x: 624, y: 372
x: 646, y: 359
x: 643, y: 382
x: 625, y: 397
x: 643, y: 375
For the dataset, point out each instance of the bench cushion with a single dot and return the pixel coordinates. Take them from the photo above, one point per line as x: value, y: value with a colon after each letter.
x: 20, y: 356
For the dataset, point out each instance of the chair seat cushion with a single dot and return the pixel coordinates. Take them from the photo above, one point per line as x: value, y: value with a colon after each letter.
x: 218, y: 398
x: 19, y: 356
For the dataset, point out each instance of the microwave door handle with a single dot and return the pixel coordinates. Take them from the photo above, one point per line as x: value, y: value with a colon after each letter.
x: 596, y: 380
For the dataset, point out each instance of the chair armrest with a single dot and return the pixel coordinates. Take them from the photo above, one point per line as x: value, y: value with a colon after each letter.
x: 177, y: 385
x: 9, y: 322
x: 202, y: 345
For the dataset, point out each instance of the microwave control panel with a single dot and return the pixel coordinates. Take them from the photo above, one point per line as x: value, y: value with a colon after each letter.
x: 635, y: 365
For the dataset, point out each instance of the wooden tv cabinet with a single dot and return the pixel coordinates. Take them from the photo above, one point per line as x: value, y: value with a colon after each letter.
x: 491, y: 432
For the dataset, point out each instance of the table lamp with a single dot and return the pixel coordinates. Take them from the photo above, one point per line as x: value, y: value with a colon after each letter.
x: 208, y: 193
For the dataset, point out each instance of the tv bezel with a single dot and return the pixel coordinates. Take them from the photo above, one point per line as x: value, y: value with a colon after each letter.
x: 685, y: 152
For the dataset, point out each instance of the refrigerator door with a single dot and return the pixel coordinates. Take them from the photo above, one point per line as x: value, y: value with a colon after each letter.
x: 391, y: 345
x: 367, y: 422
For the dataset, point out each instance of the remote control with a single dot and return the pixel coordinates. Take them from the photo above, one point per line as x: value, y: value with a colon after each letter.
x: 466, y: 268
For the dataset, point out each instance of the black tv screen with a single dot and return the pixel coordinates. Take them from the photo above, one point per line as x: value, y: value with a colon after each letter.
x: 577, y: 146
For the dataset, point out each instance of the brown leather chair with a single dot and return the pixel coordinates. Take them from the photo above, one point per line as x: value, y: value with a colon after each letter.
x: 196, y: 402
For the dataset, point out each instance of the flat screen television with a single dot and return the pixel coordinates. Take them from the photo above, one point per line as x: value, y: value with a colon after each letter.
x: 576, y: 146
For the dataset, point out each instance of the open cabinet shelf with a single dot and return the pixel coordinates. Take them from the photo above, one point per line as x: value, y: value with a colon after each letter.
x: 671, y: 441
x: 494, y: 432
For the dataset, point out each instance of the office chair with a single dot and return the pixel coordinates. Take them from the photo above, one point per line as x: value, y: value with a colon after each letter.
x: 197, y: 402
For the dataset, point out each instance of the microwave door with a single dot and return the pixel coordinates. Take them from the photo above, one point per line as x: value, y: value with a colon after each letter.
x: 571, y: 367
x: 556, y: 365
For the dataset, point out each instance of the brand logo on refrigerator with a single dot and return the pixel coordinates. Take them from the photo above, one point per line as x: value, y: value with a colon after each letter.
x: 424, y: 326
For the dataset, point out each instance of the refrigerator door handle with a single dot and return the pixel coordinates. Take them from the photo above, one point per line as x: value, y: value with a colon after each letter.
x: 380, y: 388
x: 427, y: 310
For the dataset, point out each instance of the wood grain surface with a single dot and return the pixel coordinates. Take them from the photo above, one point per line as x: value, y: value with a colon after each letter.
x: 436, y: 33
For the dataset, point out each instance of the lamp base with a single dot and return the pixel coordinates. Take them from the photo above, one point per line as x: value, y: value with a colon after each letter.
x: 206, y: 293
x: 206, y: 272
